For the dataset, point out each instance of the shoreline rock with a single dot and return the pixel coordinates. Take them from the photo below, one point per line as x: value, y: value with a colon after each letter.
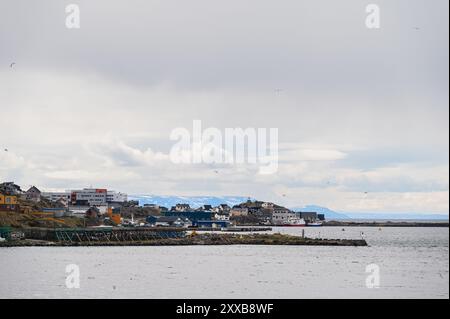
x: 385, y: 224
x: 200, y: 240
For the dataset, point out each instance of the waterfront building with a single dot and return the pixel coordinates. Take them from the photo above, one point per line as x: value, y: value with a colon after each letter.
x: 211, y: 224
x: 222, y: 209
x: 33, y: 194
x: 89, y: 196
x: 174, y: 221
x: 206, y: 208
x: 8, y: 203
x: 222, y: 216
x: 280, y: 210
x: 309, y: 217
x: 116, y: 197
x: 191, y: 215
x: 267, y: 205
x: 57, y: 196
x: 181, y: 208
x: 9, y: 188
x: 280, y: 217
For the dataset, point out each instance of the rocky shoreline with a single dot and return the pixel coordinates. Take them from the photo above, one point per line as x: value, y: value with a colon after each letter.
x: 200, y: 239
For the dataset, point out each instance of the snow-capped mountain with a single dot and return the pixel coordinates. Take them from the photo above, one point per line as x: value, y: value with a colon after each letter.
x: 193, y: 201
x: 198, y: 201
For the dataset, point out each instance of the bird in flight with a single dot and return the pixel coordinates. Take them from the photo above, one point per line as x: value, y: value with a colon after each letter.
x: 12, y: 64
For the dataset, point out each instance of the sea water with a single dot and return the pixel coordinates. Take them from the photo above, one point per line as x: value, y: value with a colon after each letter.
x: 413, y: 262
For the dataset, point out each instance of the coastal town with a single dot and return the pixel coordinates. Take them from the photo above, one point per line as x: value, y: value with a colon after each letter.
x: 103, y: 207
x: 101, y: 216
x: 98, y: 216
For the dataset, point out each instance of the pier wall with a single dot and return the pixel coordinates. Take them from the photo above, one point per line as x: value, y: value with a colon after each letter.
x: 102, y: 234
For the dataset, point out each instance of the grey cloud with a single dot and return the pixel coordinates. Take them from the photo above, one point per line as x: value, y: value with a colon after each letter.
x: 138, y: 69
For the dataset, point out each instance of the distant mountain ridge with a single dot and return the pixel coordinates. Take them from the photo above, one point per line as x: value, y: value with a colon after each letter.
x: 198, y: 201
x: 329, y: 214
x: 193, y: 201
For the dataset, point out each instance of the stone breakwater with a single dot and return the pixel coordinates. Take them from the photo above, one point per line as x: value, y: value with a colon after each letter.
x: 386, y: 224
x: 199, y: 239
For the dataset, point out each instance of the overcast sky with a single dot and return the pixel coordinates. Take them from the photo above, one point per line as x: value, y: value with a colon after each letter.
x: 362, y: 113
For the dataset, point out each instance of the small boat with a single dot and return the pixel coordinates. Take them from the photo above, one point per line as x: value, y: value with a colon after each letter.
x: 295, y: 222
x: 314, y: 224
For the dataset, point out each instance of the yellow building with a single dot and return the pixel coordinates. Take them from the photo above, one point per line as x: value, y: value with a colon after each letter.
x: 8, y: 200
x: 8, y: 203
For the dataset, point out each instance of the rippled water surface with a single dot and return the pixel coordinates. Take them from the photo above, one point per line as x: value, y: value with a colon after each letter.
x: 413, y: 263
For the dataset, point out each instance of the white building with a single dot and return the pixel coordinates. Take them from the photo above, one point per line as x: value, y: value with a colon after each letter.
x: 116, y: 197
x: 219, y: 216
x: 222, y: 208
x: 280, y: 217
x: 56, y: 196
x: 89, y: 196
x: 267, y: 205
x: 182, y: 207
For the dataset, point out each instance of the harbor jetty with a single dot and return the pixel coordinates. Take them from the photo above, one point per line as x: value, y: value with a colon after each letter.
x: 160, y: 236
x: 386, y: 223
